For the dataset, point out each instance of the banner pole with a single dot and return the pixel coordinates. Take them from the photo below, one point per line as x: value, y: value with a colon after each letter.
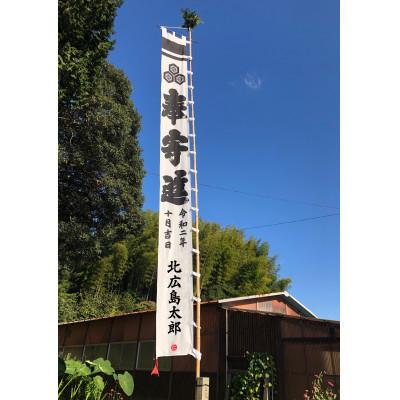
x: 196, y: 206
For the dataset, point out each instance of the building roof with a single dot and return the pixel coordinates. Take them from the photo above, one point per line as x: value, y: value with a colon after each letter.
x: 288, y: 298
x: 299, y: 307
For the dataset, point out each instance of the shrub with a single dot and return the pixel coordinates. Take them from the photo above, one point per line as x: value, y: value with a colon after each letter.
x: 92, y: 380
x: 318, y: 392
x: 260, y: 373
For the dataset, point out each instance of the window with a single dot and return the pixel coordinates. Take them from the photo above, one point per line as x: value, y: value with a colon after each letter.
x: 147, y: 353
x: 122, y: 355
x: 93, y: 351
x: 74, y: 352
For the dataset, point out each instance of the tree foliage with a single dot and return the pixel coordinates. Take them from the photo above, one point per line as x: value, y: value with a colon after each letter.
x: 100, y: 166
x: 190, y: 19
x: 235, y: 266
x: 231, y: 266
x: 85, y: 28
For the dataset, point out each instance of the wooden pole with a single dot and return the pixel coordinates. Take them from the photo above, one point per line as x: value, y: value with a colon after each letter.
x: 196, y: 206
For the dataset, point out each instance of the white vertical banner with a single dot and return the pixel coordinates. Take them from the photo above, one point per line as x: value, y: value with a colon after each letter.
x: 174, y: 320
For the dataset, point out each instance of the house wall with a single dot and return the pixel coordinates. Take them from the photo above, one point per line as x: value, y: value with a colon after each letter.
x: 177, y: 374
x: 308, y: 347
x: 301, y: 347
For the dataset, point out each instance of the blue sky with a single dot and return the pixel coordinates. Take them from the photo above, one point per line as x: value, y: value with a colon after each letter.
x: 266, y: 77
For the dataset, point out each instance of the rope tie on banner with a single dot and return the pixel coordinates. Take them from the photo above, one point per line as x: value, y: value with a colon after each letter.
x: 196, y: 354
x: 195, y: 229
x: 194, y: 209
x: 193, y: 171
x: 196, y: 251
x: 195, y: 325
x: 197, y: 299
x: 194, y: 273
x: 194, y: 189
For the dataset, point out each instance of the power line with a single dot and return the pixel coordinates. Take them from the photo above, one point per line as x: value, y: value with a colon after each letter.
x: 267, y: 196
x: 232, y: 190
x: 290, y: 222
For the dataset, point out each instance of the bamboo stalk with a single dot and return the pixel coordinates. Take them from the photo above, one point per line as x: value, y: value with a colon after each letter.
x: 197, y: 243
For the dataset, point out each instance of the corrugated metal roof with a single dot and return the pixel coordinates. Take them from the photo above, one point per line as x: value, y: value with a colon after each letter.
x: 290, y: 299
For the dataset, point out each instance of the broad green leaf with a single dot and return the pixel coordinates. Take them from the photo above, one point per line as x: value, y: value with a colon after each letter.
x: 101, y: 365
x: 76, y: 368
x: 99, y: 383
x: 126, y: 382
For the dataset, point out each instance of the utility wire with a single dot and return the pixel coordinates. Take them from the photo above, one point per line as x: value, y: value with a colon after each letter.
x: 232, y: 190
x: 289, y: 222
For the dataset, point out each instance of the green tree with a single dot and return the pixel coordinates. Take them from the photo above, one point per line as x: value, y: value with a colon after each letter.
x: 143, y: 259
x: 100, y: 166
x: 109, y: 271
x: 126, y: 278
x: 84, y: 31
x: 100, y: 175
x: 231, y: 265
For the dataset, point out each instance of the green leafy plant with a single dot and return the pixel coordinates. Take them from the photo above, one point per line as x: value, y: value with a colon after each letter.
x: 190, y: 18
x: 92, y: 380
x: 318, y: 391
x: 260, y: 374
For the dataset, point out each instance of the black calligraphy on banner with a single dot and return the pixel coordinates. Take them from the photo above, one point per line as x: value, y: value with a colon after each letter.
x: 174, y: 282
x: 174, y: 327
x: 174, y: 298
x: 168, y: 232
x: 173, y: 146
x: 174, y: 313
x: 174, y: 189
x: 183, y: 228
x: 173, y: 266
x: 174, y: 106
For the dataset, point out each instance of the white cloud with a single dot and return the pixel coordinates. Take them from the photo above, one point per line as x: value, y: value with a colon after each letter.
x: 252, y: 81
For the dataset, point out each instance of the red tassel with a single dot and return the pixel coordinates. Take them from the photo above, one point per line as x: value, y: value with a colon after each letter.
x: 155, y: 369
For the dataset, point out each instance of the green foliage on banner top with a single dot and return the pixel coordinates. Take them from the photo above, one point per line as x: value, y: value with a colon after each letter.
x: 100, y: 166
x: 190, y: 18
x: 92, y: 380
x: 260, y: 374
